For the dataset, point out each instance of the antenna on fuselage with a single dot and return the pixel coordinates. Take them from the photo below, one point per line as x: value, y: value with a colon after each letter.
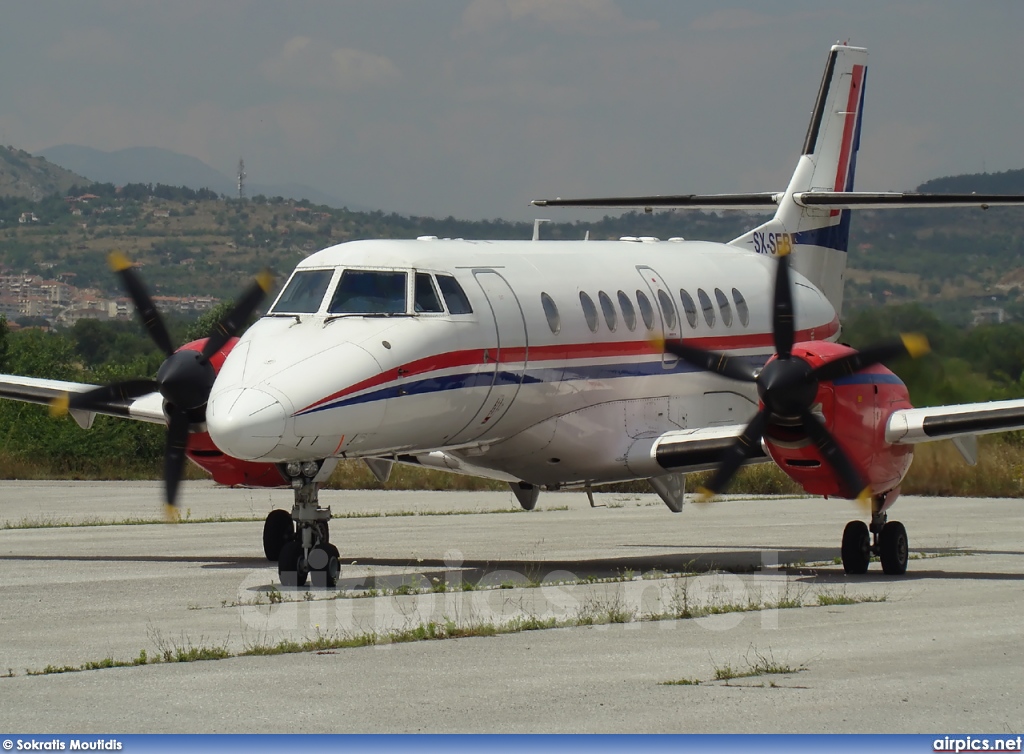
x: 536, y: 228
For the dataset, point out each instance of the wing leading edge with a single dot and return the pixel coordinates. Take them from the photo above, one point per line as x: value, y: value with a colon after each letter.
x: 913, y: 425
x: 148, y: 408
x: 702, y: 449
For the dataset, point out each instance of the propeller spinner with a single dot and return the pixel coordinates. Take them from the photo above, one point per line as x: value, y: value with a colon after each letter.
x: 184, y: 379
x: 787, y: 387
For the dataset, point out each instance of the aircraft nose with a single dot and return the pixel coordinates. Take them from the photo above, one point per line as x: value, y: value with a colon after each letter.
x: 245, y: 423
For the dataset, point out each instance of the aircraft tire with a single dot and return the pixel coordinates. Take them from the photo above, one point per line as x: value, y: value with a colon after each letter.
x: 291, y: 566
x: 893, y: 549
x: 856, y: 549
x: 278, y: 530
x: 327, y: 577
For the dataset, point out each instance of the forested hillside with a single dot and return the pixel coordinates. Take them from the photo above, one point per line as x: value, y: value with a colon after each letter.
x: 198, y: 243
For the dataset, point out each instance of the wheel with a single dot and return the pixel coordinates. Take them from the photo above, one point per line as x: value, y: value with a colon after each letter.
x: 277, y: 530
x: 327, y: 576
x: 893, y: 548
x: 291, y: 565
x: 856, y: 550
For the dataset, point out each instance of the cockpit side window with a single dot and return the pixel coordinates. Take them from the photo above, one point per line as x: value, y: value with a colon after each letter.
x: 454, y: 296
x: 304, y: 292
x: 425, y: 298
x: 369, y: 292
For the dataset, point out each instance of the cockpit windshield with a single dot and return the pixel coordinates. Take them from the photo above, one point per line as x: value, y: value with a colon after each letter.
x: 304, y: 292
x: 369, y: 292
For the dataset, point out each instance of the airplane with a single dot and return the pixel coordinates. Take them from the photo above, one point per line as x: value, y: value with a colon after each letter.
x: 559, y: 364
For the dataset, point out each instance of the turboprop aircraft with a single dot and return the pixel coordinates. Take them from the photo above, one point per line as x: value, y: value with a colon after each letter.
x: 556, y: 364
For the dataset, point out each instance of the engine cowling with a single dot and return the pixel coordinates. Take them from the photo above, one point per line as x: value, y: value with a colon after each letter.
x: 855, y: 409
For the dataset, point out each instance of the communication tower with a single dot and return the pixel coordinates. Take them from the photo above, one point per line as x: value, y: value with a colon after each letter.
x: 241, y: 178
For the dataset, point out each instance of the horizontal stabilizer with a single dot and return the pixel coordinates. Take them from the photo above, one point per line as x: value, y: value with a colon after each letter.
x: 691, y: 201
x: 830, y: 199
x: 894, y: 200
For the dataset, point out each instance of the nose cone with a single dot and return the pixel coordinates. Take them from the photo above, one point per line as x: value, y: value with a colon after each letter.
x: 245, y: 423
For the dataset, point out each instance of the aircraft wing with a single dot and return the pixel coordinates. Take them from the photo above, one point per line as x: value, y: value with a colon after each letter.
x: 913, y: 425
x: 148, y: 408
x: 702, y: 448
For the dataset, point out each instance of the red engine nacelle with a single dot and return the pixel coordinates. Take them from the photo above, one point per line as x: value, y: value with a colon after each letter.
x: 856, y: 409
x: 225, y: 469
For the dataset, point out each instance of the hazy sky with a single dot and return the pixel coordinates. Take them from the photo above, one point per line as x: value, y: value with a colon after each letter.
x: 473, y: 107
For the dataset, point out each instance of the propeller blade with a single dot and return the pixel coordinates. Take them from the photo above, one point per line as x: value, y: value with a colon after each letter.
x: 835, y: 457
x: 174, y: 454
x: 144, y: 305
x: 909, y: 345
x: 783, y: 314
x: 102, y: 397
x: 234, y: 320
x: 735, y: 367
x: 736, y: 454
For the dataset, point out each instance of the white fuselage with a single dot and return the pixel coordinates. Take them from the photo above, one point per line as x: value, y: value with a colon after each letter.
x: 510, y: 387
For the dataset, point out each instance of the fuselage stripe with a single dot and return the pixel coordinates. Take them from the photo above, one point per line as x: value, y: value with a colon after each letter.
x: 853, y: 101
x: 555, y: 359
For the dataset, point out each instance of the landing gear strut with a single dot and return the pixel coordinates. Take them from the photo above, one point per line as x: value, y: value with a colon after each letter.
x: 884, y: 538
x: 304, y: 551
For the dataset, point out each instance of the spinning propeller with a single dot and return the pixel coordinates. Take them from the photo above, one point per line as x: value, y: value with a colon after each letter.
x: 184, y: 379
x: 788, y: 385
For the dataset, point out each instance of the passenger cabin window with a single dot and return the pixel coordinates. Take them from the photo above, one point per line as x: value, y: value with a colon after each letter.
x: 425, y: 298
x: 741, y: 307
x: 668, y: 309
x: 369, y: 292
x: 611, y: 317
x: 304, y: 292
x: 723, y: 304
x: 689, y: 308
x: 589, y: 311
x: 551, y: 312
x: 454, y: 296
x: 646, y: 310
x: 707, y: 306
x: 628, y: 312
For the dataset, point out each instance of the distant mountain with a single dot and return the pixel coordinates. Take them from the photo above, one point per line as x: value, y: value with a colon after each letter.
x: 1008, y: 182
x: 156, y: 165
x: 30, y: 177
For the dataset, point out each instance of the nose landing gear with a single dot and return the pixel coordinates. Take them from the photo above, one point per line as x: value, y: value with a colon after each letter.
x: 300, y: 541
x: 884, y: 538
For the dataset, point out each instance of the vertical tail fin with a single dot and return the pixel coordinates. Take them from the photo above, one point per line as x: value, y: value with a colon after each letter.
x: 818, y: 237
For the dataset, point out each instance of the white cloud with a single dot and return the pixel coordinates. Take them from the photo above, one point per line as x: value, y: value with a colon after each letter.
x: 310, y: 64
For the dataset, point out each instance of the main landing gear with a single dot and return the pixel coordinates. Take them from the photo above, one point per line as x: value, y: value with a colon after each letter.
x: 300, y: 541
x: 886, y: 539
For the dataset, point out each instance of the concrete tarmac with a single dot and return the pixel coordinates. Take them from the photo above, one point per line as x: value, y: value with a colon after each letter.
x: 88, y: 573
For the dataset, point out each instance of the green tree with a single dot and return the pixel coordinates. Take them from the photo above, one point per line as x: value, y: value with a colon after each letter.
x: 204, y: 322
x: 36, y: 353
